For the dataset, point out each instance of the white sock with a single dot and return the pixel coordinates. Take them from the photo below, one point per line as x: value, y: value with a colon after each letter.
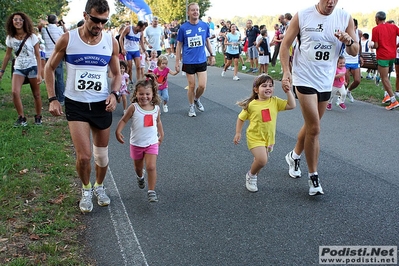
x: 315, y: 173
x: 295, y: 156
x: 393, y: 99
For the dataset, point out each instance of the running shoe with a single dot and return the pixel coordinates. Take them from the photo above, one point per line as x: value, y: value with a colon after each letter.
x: 392, y: 105
x: 102, y: 198
x: 329, y: 106
x: 191, y: 112
x: 349, y: 95
x: 223, y: 72
x: 21, y: 121
x: 386, y: 99
x: 165, y: 108
x: 86, y: 204
x: 152, y: 196
x: 236, y: 78
x: 314, y: 186
x: 294, y: 171
x: 199, y: 105
x: 342, y: 106
x: 251, y: 183
x: 38, y: 120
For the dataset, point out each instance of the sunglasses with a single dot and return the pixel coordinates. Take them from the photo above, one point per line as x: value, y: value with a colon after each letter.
x: 98, y: 20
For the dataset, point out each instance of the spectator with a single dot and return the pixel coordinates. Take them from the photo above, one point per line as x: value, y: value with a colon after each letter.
x: 365, y: 43
x: 263, y: 46
x: 277, y: 40
x: 384, y: 37
x: 173, y: 34
x: 251, y: 33
x: 211, y: 24
x: 51, y: 34
x: 23, y: 41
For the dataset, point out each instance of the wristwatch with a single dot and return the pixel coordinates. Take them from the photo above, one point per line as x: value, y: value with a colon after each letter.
x: 351, y: 42
x: 117, y: 94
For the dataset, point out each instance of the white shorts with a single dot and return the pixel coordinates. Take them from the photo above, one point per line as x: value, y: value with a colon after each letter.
x: 263, y: 59
x: 166, y: 44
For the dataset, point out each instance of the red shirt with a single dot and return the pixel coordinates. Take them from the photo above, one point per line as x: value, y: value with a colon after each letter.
x: 385, y: 35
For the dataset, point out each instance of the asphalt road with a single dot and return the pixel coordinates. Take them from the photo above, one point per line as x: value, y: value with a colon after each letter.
x: 205, y: 216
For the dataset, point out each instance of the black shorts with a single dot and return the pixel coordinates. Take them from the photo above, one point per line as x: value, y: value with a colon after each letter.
x: 232, y: 56
x: 92, y: 113
x: 396, y: 61
x: 321, y: 96
x: 194, y: 68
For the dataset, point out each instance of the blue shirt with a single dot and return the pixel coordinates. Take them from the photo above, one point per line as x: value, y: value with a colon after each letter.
x: 193, y: 38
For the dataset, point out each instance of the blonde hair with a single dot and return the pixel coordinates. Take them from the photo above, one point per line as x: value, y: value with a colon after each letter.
x: 162, y: 58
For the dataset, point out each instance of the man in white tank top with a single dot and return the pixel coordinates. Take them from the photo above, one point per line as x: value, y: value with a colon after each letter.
x: 88, y: 103
x: 321, y: 31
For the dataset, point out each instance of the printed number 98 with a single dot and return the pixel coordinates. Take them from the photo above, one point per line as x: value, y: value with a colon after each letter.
x: 322, y: 55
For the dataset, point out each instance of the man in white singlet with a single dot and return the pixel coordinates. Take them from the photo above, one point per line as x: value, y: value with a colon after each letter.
x: 131, y: 40
x: 88, y: 103
x: 322, y: 30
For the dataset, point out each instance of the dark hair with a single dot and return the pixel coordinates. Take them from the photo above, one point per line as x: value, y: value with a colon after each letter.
x: 355, y: 22
x: 257, y: 82
x: 288, y: 16
x: 381, y: 15
x: 100, y: 6
x: 366, y: 35
x: 123, y: 63
x: 140, y: 23
x: 80, y: 23
x: 27, y: 24
x: 52, y: 19
x: 149, y: 80
x: 341, y: 57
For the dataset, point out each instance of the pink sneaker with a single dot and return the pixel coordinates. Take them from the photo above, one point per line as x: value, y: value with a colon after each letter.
x: 342, y: 106
x: 329, y: 106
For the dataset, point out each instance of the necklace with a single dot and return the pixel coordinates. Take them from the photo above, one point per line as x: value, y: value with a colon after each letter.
x: 89, y: 42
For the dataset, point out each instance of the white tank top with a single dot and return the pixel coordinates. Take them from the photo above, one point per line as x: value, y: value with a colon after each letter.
x: 132, y: 40
x: 144, y: 130
x: 317, y: 49
x: 349, y: 59
x: 87, y: 68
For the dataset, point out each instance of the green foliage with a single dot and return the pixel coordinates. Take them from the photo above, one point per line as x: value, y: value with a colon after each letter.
x: 31, y: 7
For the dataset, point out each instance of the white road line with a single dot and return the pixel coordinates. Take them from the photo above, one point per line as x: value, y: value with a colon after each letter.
x: 129, y: 244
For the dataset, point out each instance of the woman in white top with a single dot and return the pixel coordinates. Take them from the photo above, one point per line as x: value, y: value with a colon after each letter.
x: 27, y: 64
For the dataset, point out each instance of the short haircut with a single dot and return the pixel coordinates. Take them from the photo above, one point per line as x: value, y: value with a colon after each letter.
x: 381, y: 15
x: 100, y: 6
x: 52, y: 19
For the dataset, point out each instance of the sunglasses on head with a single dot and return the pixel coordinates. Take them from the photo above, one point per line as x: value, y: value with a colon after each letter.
x: 98, y: 20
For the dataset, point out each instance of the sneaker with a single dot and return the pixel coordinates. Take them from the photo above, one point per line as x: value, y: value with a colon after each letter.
x: 329, y: 106
x: 250, y: 183
x: 38, y: 120
x: 255, y: 70
x: 349, y: 95
x: 152, y: 196
x: 102, y: 198
x: 191, y: 112
x: 377, y: 80
x: 223, y: 72
x: 141, y: 181
x: 294, y: 170
x: 386, y: 99
x: 183, y: 73
x: 243, y: 68
x: 397, y: 94
x: 86, y: 204
x: 314, y: 186
x: 236, y: 78
x: 392, y: 105
x: 369, y: 77
x: 186, y: 88
x: 21, y: 121
x: 165, y: 108
x: 199, y: 105
x: 342, y: 106
x: 230, y: 68
x: 250, y: 70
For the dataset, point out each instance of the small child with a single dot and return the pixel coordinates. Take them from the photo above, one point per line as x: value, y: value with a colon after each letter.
x: 263, y: 47
x: 146, y: 131
x: 261, y: 110
x: 143, y: 61
x: 152, y: 61
x: 339, y: 85
x: 123, y: 90
x: 161, y: 72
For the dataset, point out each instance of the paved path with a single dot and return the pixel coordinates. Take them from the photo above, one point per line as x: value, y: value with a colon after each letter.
x: 205, y: 215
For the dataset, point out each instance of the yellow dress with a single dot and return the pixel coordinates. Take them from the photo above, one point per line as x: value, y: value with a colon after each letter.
x: 262, y: 116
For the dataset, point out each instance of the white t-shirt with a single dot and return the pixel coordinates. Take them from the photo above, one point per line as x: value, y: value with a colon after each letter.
x: 55, y: 33
x: 154, y: 36
x: 26, y: 58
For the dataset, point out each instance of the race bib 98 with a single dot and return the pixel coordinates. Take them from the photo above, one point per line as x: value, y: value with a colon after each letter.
x: 321, y: 52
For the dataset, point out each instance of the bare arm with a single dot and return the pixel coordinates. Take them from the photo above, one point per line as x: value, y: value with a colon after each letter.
x: 39, y: 64
x: 239, y: 125
x: 349, y: 35
x: 113, y: 64
x: 122, y: 39
x: 291, y: 104
x: 5, y: 61
x: 178, y: 56
x: 160, y: 128
x: 122, y: 123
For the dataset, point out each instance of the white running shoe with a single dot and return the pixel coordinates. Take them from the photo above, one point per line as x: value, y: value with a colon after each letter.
x: 223, y: 72
x: 236, y: 78
x: 199, y: 105
x: 294, y: 170
x: 314, y: 186
x: 191, y: 112
x: 86, y: 204
x: 165, y: 108
x: 251, y: 183
x: 243, y: 67
x: 349, y: 95
x: 102, y: 198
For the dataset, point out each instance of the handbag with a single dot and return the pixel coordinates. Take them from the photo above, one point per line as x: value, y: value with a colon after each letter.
x: 26, y: 80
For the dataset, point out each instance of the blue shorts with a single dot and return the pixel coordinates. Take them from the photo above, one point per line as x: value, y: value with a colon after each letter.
x: 30, y: 72
x: 352, y: 66
x: 42, y: 55
x: 132, y: 54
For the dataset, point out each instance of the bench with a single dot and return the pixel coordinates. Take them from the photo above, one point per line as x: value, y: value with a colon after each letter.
x: 369, y: 61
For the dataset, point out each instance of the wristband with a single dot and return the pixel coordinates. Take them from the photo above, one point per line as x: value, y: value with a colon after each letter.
x: 350, y: 43
x: 54, y: 98
x: 116, y: 93
x: 2, y: 71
